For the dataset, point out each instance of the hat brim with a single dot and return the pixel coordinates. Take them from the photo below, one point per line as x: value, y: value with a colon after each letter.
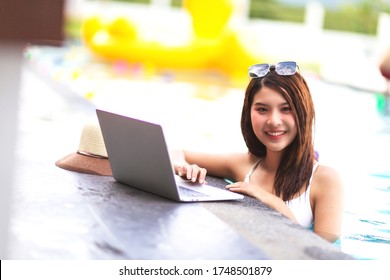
x: 85, y: 164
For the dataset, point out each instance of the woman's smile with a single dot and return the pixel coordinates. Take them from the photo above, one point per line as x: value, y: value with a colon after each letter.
x: 275, y: 135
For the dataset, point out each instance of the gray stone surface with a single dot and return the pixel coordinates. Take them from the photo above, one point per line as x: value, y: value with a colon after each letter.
x: 59, y: 214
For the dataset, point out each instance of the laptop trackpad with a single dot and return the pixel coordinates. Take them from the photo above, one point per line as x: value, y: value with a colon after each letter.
x: 197, y: 187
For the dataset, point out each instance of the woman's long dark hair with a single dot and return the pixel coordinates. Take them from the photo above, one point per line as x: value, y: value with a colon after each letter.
x: 297, y: 160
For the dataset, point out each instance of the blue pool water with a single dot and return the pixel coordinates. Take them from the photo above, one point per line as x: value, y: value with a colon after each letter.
x: 366, y: 231
x: 353, y: 135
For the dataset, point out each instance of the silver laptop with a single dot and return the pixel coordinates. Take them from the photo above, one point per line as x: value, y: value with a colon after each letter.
x: 139, y: 157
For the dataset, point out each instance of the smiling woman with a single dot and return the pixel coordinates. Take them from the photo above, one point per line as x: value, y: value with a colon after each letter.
x: 280, y: 168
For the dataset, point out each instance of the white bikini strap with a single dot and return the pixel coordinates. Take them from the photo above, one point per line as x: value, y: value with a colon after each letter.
x: 312, y: 173
x: 247, y: 177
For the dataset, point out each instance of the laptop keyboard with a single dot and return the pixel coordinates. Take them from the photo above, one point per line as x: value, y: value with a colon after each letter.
x: 191, y: 193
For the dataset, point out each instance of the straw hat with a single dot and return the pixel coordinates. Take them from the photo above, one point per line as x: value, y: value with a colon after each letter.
x: 91, y: 156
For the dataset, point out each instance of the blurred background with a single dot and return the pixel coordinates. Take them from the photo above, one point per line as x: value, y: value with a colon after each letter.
x: 318, y: 34
x: 172, y: 49
x: 183, y: 63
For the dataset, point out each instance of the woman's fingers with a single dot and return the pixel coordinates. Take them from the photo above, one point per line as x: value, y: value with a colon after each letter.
x: 192, y: 172
x: 234, y: 186
x: 238, y: 187
x: 202, y: 175
x: 196, y: 173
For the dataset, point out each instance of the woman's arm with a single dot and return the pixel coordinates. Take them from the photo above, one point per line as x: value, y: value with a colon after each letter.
x: 328, y: 202
x: 195, y: 165
x: 271, y: 200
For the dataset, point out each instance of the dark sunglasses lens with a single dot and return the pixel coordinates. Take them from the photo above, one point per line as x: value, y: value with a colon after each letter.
x: 286, y: 68
x: 258, y: 70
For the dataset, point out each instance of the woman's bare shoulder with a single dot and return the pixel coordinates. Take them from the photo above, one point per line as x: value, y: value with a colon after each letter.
x: 327, y: 179
x: 325, y: 173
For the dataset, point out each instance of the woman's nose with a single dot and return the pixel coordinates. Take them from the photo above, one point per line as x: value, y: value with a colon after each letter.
x: 274, y: 118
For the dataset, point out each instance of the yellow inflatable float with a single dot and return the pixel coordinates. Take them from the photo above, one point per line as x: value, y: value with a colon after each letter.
x: 213, y: 46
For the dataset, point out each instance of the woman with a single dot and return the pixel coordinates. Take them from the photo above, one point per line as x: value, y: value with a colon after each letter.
x: 280, y: 168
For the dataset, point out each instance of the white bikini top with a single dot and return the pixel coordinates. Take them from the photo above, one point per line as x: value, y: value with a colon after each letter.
x: 299, y: 206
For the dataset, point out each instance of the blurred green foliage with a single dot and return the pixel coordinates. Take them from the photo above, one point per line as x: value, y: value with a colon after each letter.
x: 358, y: 17
x: 273, y: 10
x: 352, y: 18
x: 72, y: 28
x: 177, y: 3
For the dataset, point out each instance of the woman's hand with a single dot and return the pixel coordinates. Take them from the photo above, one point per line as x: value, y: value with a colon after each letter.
x: 264, y: 196
x: 248, y: 189
x: 191, y: 172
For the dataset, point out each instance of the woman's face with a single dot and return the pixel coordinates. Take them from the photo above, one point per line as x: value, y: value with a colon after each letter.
x: 272, y: 120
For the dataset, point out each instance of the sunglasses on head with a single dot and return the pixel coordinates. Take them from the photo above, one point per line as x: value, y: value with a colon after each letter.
x: 285, y: 68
